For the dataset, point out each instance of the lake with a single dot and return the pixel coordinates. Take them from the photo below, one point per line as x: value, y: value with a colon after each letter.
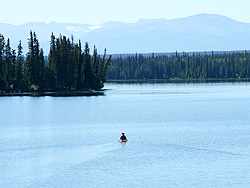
x: 180, y: 135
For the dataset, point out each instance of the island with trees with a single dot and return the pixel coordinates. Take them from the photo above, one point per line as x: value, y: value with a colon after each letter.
x: 68, y: 68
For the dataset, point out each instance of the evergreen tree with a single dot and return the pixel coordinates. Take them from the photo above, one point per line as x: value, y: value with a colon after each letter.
x: 88, y: 74
x: 30, y: 62
x: 8, y: 65
x: 2, y: 65
x: 13, y: 70
x: 41, y: 71
x: 95, y: 61
x: 79, y: 67
x: 19, y: 68
x: 51, y: 70
x: 34, y: 66
x: 104, y: 65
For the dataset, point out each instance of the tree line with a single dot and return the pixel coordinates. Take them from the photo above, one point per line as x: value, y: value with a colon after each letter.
x: 181, y: 66
x: 68, y: 67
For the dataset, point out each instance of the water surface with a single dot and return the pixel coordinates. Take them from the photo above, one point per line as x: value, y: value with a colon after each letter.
x: 180, y: 135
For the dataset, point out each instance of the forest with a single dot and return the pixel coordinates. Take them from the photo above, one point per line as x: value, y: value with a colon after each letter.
x: 69, y: 68
x: 182, y: 66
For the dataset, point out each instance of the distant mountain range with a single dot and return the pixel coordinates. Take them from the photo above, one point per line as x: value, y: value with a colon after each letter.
x: 203, y: 32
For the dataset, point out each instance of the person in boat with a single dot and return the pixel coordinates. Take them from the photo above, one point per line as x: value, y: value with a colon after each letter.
x: 123, y: 137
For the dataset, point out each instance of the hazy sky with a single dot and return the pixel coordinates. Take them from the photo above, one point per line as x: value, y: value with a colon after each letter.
x: 99, y: 11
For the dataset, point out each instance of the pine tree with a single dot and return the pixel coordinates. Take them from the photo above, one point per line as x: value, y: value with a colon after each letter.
x: 2, y: 65
x: 104, y: 65
x: 41, y: 71
x: 30, y: 63
x: 19, y: 67
x: 88, y: 75
x: 51, y: 70
x: 8, y: 65
x: 95, y: 60
x: 36, y: 70
x: 34, y: 64
x: 79, y: 67
x: 13, y: 70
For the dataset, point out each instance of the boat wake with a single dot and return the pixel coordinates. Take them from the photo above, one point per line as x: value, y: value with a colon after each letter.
x: 205, y: 150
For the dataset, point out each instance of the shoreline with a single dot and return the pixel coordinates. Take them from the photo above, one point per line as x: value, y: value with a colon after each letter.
x: 212, y: 80
x: 90, y: 93
x: 53, y: 94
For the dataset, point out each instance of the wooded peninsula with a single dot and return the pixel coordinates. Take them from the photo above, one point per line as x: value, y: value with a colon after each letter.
x: 68, y: 67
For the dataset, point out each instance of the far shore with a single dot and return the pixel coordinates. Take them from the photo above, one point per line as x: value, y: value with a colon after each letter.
x: 178, y: 80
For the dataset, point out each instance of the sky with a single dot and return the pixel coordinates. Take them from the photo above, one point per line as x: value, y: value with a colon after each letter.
x: 99, y: 11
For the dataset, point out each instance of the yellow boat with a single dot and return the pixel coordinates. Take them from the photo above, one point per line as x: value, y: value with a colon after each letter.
x: 123, y: 140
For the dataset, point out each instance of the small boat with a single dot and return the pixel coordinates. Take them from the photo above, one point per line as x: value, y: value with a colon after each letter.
x: 123, y: 140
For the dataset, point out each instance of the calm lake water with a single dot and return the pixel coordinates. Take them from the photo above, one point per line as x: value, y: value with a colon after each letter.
x: 180, y: 135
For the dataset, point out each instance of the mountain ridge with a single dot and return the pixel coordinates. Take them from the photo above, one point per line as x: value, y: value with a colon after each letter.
x: 201, y: 32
